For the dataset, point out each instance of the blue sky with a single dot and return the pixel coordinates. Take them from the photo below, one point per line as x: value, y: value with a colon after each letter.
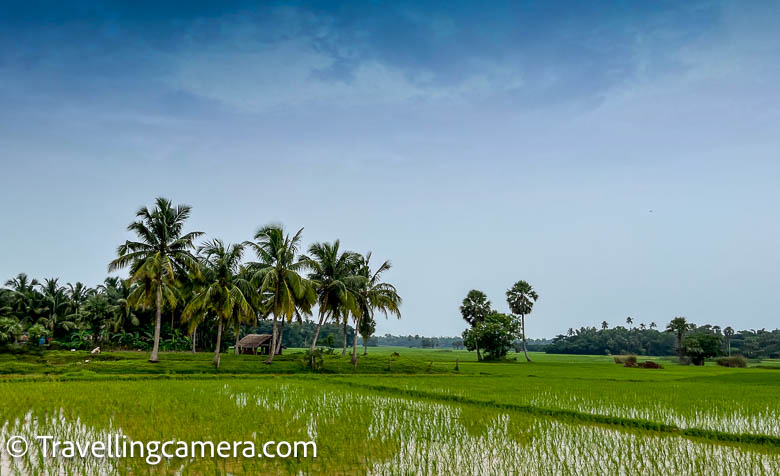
x: 472, y: 144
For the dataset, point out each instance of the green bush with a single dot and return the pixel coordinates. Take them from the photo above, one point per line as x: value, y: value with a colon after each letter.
x: 627, y: 360
x: 314, y: 359
x: 734, y: 361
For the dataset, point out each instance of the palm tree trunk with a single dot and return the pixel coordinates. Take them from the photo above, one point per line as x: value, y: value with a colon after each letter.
x: 344, y: 350
x: 194, y: 337
x: 479, y: 356
x: 157, y: 322
x: 365, y: 346
x: 281, y: 338
x: 272, y: 349
x: 219, y: 343
x: 317, y: 332
x: 354, y: 343
x: 679, y: 344
x: 525, y: 350
x: 238, y: 333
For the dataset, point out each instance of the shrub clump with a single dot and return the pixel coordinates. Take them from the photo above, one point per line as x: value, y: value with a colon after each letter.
x: 651, y: 365
x: 734, y: 361
x: 627, y: 360
x: 315, y: 360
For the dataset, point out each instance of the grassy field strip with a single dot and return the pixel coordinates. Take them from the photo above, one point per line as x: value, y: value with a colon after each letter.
x: 710, y: 435
x: 739, y: 402
x: 359, y: 431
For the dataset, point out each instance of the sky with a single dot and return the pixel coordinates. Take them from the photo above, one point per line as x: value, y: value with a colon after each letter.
x: 622, y: 157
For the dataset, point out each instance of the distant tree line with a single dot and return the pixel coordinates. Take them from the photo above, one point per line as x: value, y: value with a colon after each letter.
x: 86, y: 316
x: 415, y: 341
x: 680, y: 337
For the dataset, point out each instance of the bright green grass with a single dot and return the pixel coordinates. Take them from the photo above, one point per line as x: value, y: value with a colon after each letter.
x: 556, y: 415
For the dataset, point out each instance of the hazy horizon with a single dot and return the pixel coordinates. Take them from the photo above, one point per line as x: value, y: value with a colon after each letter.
x: 622, y: 159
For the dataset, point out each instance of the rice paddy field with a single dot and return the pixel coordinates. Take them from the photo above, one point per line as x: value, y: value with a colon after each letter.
x: 409, y: 414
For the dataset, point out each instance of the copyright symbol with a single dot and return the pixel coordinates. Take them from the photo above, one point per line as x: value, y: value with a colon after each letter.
x: 16, y: 446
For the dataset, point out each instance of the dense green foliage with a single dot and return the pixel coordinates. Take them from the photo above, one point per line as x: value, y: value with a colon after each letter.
x: 619, y: 340
x: 492, y: 331
x: 644, y: 340
x: 699, y: 346
x: 208, y: 295
x: 494, y: 334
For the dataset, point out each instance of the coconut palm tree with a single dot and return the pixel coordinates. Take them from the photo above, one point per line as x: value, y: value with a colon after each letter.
x: 276, y: 276
x: 162, y: 253
x: 6, y: 301
x: 604, y: 325
x: 26, y: 299
x: 21, y: 283
x: 629, y: 321
x: 98, y: 315
x: 118, y: 292
x: 224, y: 292
x: 373, y: 295
x: 521, y: 298
x: 56, y: 307
x: 332, y: 273
x: 77, y: 293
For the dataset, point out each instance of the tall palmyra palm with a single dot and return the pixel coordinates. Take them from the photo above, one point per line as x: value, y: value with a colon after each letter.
x: 162, y: 253
x: 332, y: 272
x: 728, y: 333
x: 224, y: 292
x: 276, y: 277
x: 374, y: 295
x: 679, y: 326
x: 521, y: 298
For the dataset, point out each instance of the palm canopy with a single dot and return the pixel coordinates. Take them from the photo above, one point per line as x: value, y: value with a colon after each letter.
x: 678, y: 325
x: 223, y: 292
x: 56, y: 306
x: 475, y: 307
x: 333, y: 274
x: 118, y: 292
x: 521, y: 298
x: 162, y: 252
x: 374, y: 294
x: 276, y: 276
x: 22, y: 284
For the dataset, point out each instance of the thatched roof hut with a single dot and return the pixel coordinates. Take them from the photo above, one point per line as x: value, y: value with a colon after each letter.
x: 251, y: 343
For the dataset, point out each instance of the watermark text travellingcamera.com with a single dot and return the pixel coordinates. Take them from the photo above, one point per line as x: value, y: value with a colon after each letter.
x: 153, y: 452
